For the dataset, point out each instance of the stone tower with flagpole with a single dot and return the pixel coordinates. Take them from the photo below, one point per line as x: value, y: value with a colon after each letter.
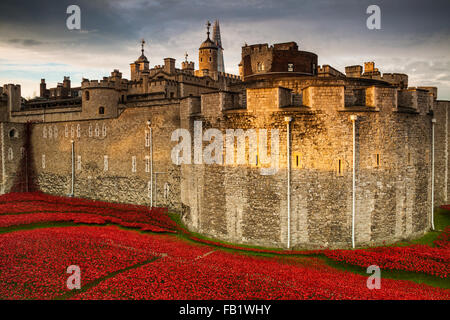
x: 217, y: 40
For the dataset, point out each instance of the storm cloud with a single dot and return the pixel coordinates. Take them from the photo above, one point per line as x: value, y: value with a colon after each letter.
x: 414, y: 36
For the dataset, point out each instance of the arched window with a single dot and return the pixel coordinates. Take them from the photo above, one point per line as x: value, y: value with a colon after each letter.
x: 86, y: 95
x: 13, y: 133
x: 101, y: 110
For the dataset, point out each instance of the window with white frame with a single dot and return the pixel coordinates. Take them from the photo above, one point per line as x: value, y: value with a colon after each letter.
x: 66, y: 131
x: 50, y: 132
x: 78, y: 131
x: 166, y: 190
x: 147, y: 163
x: 10, y: 154
x: 55, y: 131
x: 72, y: 131
x: 44, y: 132
x: 97, y: 130
x: 147, y: 138
x: 104, y: 130
x: 290, y: 67
x: 149, y: 189
x: 105, y: 163
x: 90, y: 130
x: 43, y: 161
x: 78, y: 162
x: 133, y: 164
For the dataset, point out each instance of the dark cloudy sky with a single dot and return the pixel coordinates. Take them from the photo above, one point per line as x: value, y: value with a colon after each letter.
x: 35, y: 43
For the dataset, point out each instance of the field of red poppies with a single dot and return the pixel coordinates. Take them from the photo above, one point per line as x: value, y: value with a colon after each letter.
x: 125, y: 264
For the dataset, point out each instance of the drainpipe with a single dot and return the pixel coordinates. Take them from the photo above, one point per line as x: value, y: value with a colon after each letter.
x: 353, y: 118
x: 151, y: 161
x: 288, y: 159
x: 73, y: 169
x: 433, y: 123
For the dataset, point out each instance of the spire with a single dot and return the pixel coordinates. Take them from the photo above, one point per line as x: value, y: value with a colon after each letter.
x: 216, y: 35
x: 218, y: 42
x: 186, y: 56
x: 208, y: 25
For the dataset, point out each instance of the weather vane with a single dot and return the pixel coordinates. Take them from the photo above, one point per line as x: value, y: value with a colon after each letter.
x: 208, y: 25
x: 142, y: 44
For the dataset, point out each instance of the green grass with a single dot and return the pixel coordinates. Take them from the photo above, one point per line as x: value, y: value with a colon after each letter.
x: 391, y: 274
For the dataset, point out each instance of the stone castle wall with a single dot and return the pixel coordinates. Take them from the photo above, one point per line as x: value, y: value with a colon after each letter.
x: 236, y: 202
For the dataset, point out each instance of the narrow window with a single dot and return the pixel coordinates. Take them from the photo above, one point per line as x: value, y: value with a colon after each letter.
x: 66, y: 131
x: 133, y: 164
x: 72, y: 131
x: 55, y: 131
x: 149, y: 189
x: 10, y: 154
x: 97, y: 130
x: 101, y: 110
x: 410, y: 162
x: 377, y: 160
x: 44, y: 132
x: 78, y: 131
x: 50, y: 132
x: 340, y: 167
x: 166, y: 190
x: 147, y: 163
x: 290, y: 67
x: 147, y: 138
x: 22, y: 152
x: 105, y: 163
x: 104, y: 130
x: 43, y: 161
x: 296, y: 160
x: 78, y: 162
x: 90, y: 130
x: 86, y: 95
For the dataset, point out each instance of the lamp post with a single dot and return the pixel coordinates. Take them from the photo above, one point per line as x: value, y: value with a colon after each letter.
x: 149, y: 123
x: 288, y: 159
x: 353, y: 118
x: 73, y: 168
x: 433, y: 123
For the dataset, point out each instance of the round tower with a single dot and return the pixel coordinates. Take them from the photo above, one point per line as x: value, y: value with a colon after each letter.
x: 207, y: 54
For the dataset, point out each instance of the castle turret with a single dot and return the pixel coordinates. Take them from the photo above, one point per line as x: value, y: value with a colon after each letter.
x: 66, y: 83
x: 14, y: 97
x: 43, y: 89
x: 207, y: 55
x: 169, y: 65
x: 140, y: 65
